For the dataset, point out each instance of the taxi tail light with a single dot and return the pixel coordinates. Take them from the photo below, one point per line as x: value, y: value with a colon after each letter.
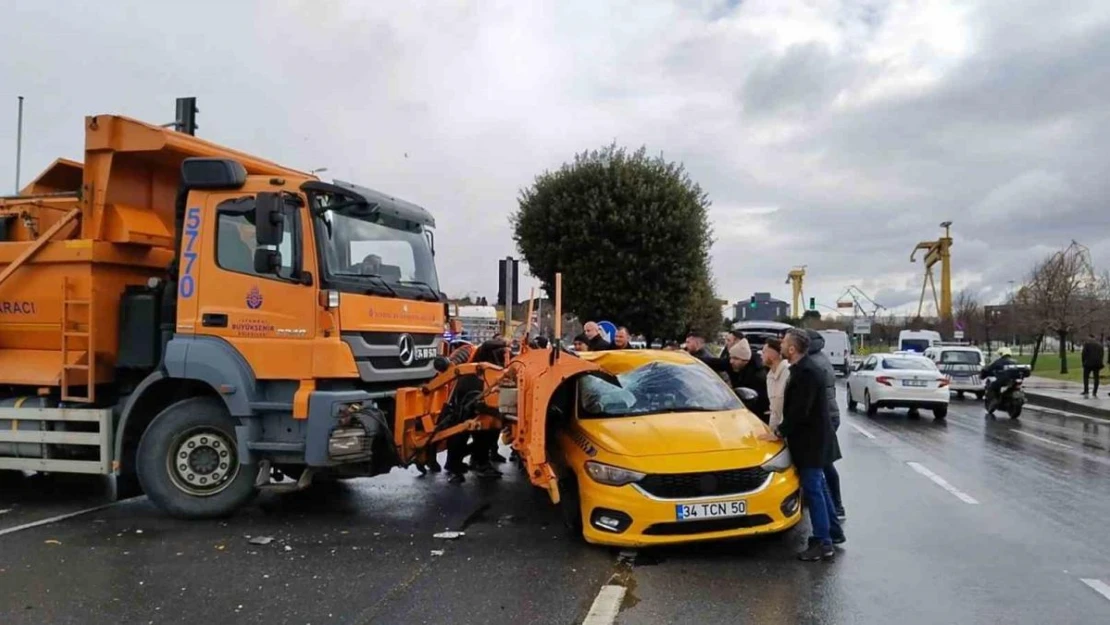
x: 885, y: 380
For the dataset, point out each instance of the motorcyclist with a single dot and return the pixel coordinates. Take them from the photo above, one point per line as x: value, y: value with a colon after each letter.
x: 998, y: 371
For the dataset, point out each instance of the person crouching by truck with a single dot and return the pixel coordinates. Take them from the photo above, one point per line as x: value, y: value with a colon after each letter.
x: 466, y: 402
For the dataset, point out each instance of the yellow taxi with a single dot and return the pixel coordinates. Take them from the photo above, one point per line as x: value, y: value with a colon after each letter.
x: 657, y: 449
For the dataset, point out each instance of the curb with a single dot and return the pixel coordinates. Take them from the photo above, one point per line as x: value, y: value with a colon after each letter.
x: 1048, y: 401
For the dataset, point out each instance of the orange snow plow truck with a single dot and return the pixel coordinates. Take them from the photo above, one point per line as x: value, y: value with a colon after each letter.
x: 198, y: 323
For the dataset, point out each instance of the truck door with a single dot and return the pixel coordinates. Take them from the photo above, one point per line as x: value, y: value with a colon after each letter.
x: 269, y: 316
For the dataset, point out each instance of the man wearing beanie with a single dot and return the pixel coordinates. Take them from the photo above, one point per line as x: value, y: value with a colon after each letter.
x: 743, y: 372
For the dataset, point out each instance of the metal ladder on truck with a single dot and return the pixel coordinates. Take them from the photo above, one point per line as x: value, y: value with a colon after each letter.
x: 45, y: 447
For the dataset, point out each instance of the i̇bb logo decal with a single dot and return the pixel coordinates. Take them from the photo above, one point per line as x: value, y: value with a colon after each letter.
x: 254, y: 298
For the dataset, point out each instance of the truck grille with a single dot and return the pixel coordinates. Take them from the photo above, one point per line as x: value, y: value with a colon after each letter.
x: 710, y: 484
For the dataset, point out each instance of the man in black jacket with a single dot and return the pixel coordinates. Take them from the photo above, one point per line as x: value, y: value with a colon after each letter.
x: 594, y: 339
x: 832, y: 476
x: 1092, y: 363
x: 809, y: 435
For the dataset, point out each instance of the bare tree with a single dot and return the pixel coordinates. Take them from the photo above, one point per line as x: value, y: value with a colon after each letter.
x: 968, y: 313
x: 1062, y: 295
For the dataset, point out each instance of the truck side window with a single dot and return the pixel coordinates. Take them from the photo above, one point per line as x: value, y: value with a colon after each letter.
x: 235, y: 241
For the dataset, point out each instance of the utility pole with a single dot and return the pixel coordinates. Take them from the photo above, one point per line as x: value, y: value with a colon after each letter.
x: 18, y: 144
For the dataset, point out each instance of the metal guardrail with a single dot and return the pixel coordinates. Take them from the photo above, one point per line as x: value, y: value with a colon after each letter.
x: 48, y: 435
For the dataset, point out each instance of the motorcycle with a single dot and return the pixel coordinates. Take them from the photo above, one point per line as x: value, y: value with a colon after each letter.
x: 1009, y: 397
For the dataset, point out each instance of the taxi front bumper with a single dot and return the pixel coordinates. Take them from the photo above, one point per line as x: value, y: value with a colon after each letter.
x: 629, y: 516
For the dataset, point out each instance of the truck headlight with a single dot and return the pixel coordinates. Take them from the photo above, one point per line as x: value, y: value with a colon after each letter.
x: 611, y: 476
x: 781, y: 462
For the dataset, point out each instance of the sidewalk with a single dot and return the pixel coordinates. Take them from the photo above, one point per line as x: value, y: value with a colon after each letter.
x: 1064, y: 395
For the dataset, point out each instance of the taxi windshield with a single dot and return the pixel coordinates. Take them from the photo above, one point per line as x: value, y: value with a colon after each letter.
x: 654, y: 388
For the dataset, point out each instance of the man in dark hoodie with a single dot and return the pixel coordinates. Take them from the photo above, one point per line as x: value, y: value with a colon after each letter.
x: 832, y: 477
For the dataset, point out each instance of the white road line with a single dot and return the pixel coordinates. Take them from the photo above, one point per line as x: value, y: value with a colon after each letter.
x: 861, y: 430
x: 1042, y: 439
x: 606, y: 605
x: 940, y: 481
x: 1098, y: 586
x: 55, y: 519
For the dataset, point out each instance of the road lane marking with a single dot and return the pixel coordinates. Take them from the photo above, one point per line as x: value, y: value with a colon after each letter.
x: 940, y: 481
x: 861, y: 430
x: 1042, y: 439
x: 1098, y: 586
x: 606, y: 605
x: 60, y: 517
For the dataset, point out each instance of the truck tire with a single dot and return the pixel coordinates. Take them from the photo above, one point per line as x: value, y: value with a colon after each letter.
x: 188, y: 461
x: 570, y: 506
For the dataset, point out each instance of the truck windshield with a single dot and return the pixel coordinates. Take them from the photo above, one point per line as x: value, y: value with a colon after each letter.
x: 654, y: 388
x: 378, y: 249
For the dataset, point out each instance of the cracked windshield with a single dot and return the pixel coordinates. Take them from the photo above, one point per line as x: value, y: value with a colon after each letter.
x: 555, y: 312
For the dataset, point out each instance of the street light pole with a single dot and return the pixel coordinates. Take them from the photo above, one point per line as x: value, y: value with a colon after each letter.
x: 18, y: 144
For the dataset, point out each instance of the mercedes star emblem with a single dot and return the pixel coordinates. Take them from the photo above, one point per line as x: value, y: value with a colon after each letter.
x: 406, y: 350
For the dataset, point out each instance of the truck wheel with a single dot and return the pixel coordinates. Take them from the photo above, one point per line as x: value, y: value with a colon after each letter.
x: 188, y: 461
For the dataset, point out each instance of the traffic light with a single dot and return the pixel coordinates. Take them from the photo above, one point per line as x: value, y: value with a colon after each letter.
x: 504, y: 273
x: 186, y: 120
x: 752, y: 303
x: 813, y: 303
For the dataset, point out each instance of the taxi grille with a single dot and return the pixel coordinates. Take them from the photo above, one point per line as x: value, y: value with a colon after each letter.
x: 710, y: 484
x: 685, y: 528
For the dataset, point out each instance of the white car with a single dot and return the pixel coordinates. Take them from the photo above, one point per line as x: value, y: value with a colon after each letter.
x: 898, y: 381
x: 961, y: 363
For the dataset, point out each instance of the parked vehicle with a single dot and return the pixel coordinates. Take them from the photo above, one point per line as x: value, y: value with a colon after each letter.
x: 962, y: 364
x: 838, y: 349
x: 917, y: 340
x: 1010, y: 398
x: 757, y: 332
x: 898, y: 381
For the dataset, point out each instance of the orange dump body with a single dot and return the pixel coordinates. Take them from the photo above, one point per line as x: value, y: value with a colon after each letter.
x: 77, y: 235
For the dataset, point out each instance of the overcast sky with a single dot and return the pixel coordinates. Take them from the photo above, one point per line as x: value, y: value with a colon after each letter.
x: 831, y: 133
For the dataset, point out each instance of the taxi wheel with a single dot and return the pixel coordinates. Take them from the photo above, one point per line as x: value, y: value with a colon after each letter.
x: 570, y: 505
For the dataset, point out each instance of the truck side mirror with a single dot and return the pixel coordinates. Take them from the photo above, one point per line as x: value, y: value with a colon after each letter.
x: 269, y: 218
x: 266, y: 261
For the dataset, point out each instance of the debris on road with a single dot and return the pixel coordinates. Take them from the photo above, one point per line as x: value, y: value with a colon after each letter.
x: 449, y: 535
x: 261, y: 540
x: 437, y: 552
x: 288, y: 548
x: 51, y: 541
x: 5, y: 510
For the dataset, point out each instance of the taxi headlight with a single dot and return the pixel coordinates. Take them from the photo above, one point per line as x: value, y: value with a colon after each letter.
x: 781, y: 462
x: 611, y: 476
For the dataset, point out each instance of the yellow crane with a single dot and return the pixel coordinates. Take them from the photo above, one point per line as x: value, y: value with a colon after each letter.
x: 937, y: 252
x: 796, y: 277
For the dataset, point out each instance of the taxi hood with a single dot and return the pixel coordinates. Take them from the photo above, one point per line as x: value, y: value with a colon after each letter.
x: 676, y: 433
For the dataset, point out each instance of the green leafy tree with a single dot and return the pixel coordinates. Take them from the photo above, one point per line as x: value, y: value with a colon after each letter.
x: 630, y: 234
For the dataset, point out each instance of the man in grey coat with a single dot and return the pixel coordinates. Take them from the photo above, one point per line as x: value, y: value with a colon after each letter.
x: 832, y: 477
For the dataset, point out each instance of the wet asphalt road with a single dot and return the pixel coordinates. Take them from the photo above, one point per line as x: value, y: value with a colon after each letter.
x: 1017, y: 522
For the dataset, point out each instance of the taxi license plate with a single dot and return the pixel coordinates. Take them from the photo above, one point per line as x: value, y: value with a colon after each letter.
x: 915, y: 383
x: 715, y: 510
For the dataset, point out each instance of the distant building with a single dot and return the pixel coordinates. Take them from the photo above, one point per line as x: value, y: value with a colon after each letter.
x: 765, y: 308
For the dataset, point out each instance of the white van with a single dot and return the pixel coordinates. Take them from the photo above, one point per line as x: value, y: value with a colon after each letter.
x: 837, y: 349
x: 917, y: 340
